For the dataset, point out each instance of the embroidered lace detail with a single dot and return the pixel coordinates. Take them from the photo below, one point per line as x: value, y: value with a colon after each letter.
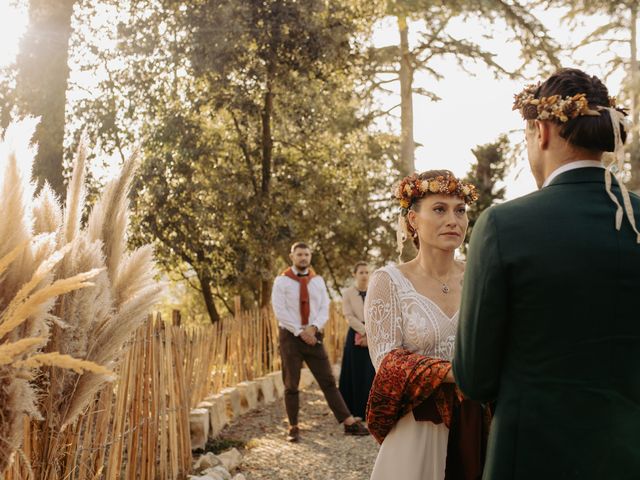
x: 396, y: 315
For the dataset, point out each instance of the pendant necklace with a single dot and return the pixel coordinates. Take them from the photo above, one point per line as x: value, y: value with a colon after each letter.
x: 443, y: 285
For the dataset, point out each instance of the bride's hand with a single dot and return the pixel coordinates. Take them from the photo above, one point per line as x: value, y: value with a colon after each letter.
x: 450, y: 378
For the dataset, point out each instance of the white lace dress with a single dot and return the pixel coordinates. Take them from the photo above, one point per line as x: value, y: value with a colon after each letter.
x: 396, y: 315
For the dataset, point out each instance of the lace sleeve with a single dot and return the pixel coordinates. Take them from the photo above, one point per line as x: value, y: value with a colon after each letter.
x: 383, y: 317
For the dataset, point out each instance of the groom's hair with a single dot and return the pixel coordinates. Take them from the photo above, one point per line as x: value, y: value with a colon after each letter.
x: 297, y: 245
x: 589, y: 132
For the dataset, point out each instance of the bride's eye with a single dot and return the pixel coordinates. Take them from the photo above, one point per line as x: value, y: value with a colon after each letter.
x: 438, y: 209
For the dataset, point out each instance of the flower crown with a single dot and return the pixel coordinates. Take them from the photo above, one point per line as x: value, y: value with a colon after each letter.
x: 413, y: 188
x: 555, y: 107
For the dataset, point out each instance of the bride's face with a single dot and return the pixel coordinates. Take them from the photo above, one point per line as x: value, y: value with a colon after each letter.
x: 441, y: 221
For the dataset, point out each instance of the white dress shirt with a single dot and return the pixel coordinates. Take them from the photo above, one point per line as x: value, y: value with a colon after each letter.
x: 285, y: 299
x: 571, y: 166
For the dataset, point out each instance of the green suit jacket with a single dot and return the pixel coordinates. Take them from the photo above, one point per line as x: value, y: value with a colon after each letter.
x: 550, y: 330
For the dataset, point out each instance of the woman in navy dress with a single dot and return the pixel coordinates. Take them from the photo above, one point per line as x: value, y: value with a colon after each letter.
x: 356, y: 375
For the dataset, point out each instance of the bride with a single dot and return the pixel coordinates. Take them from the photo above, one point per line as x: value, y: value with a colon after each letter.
x: 413, y: 308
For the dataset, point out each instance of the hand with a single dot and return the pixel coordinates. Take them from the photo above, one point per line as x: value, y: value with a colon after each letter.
x: 311, y: 330
x: 363, y: 341
x: 309, y: 339
x: 450, y: 378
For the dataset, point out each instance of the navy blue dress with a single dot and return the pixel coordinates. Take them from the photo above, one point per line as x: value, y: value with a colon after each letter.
x: 356, y: 374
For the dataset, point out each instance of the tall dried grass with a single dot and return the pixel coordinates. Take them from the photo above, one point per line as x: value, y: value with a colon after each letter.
x: 70, y: 298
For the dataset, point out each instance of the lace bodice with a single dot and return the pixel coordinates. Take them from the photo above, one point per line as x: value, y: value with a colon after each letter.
x: 397, y: 316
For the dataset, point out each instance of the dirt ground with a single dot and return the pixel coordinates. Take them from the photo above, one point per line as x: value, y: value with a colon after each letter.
x: 323, y: 453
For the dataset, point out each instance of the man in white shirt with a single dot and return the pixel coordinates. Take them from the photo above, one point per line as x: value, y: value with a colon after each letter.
x: 301, y: 305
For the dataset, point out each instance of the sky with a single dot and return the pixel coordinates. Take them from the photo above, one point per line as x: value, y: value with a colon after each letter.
x: 474, y: 110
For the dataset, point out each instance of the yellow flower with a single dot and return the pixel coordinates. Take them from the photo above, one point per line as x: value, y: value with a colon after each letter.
x: 408, y: 189
x: 466, y: 190
x: 423, y: 186
x: 434, y: 187
x: 404, y: 203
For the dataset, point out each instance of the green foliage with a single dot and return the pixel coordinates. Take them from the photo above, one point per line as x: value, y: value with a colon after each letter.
x: 254, y: 141
x: 488, y: 174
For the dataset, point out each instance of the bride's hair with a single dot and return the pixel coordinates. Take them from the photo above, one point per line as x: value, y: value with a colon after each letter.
x: 589, y: 132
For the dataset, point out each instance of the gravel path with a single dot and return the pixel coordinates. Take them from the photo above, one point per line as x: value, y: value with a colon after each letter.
x: 323, y: 453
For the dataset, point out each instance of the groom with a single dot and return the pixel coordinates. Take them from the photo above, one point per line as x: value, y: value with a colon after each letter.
x: 549, y: 325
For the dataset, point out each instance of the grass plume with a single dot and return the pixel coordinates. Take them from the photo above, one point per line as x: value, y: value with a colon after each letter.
x: 70, y: 298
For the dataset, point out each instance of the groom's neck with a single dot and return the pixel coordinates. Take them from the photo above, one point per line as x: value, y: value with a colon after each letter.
x: 555, y: 160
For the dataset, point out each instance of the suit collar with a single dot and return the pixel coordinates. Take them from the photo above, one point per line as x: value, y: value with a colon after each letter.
x: 581, y: 175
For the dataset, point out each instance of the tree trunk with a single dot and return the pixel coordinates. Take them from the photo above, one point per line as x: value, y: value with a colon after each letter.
x: 407, y: 143
x: 41, y: 86
x: 265, y: 293
x: 634, y: 183
x: 265, y: 205
x: 207, y: 295
x: 267, y: 140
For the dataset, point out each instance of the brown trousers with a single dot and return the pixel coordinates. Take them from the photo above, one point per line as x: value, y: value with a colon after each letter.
x: 293, y: 351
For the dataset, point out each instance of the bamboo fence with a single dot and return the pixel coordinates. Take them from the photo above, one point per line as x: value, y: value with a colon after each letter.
x: 138, y: 427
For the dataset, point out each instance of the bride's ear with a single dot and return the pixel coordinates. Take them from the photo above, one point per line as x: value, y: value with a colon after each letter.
x: 411, y: 219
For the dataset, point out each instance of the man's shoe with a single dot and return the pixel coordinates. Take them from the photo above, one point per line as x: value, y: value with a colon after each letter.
x: 357, y: 429
x: 294, y: 434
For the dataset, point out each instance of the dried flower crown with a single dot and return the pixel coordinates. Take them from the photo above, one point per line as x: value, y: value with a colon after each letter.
x: 413, y: 188
x: 554, y: 107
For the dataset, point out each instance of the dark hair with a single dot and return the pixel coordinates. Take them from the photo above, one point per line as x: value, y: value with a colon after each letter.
x: 358, y: 265
x: 299, y: 245
x: 593, y: 133
x: 416, y: 204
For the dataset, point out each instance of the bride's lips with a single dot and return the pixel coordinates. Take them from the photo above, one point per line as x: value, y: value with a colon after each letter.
x: 451, y: 234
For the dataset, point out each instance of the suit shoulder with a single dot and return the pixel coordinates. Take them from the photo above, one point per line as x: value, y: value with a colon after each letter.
x: 516, y: 204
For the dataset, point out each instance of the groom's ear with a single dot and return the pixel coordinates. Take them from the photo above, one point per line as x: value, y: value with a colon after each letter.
x: 543, y: 132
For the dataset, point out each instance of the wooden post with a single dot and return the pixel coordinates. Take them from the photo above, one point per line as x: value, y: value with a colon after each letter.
x: 176, y: 318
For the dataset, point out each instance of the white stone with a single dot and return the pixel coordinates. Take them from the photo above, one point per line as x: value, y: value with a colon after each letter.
x: 233, y: 402
x: 219, y: 472
x: 208, y: 460
x: 248, y: 395
x: 239, y: 477
x: 230, y: 459
x: 277, y: 383
x: 218, y: 417
x: 199, y: 477
x: 266, y: 390
x: 336, y: 370
x: 204, y: 404
x: 199, y: 427
x: 213, y: 474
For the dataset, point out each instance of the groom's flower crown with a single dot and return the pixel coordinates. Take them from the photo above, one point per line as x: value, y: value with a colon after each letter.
x: 555, y: 107
x: 412, y: 188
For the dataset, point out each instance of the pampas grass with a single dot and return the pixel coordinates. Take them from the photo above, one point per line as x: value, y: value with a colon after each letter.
x: 70, y: 299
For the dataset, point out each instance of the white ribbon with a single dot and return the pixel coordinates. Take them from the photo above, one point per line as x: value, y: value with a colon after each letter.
x: 617, y: 118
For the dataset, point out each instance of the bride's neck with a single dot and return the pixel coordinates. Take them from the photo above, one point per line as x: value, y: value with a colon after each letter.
x: 439, y: 263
